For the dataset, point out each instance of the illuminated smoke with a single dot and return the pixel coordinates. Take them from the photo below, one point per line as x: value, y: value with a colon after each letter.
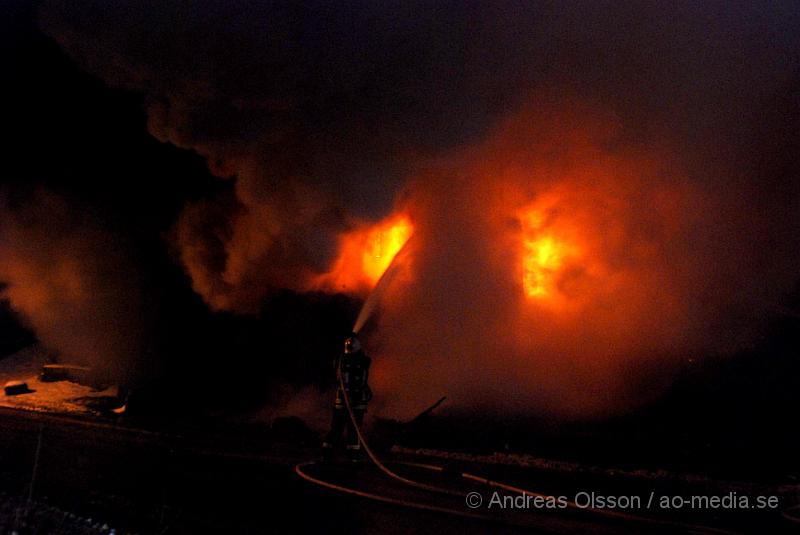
x: 558, y: 270
x: 569, y: 251
x: 74, y: 284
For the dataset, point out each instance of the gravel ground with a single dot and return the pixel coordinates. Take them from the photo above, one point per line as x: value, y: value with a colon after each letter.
x: 19, y: 517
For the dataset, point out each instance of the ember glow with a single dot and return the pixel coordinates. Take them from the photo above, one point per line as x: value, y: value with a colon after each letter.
x: 365, y: 253
x: 544, y: 256
x: 382, y: 244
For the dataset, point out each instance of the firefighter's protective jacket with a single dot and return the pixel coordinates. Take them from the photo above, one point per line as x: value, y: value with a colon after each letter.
x: 354, y: 370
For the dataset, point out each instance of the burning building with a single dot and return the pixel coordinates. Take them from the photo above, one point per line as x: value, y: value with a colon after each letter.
x: 573, y: 199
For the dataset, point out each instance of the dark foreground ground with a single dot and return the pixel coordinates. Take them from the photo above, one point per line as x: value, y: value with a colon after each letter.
x: 137, y: 481
x: 207, y: 480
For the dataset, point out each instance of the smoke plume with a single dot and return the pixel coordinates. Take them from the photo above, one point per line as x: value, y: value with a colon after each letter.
x: 73, y: 283
x: 650, y: 151
x: 555, y: 267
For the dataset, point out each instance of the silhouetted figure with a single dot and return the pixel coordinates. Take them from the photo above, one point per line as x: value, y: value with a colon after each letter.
x: 352, y: 373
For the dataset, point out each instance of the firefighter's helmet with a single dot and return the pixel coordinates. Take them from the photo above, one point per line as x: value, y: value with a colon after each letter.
x: 352, y: 345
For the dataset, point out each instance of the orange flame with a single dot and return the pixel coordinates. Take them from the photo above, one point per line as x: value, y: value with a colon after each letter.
x: 383, y: 244
x: 365, y: 254
x: 547, y: 249
x: 543, y: 257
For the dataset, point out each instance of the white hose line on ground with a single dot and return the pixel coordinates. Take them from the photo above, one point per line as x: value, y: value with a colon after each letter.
x: 792, y: 514
x: 511, y: 488
x: 377, y: 461
x: 573, y: 505
x: 377, y: 497
x: 300, y: 471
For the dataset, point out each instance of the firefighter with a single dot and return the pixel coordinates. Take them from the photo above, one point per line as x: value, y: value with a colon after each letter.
x: 352, y: 372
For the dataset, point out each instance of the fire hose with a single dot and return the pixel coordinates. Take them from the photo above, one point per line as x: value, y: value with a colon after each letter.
x: 374, y: 458
x: 469, y: 477
x: 792, y: 514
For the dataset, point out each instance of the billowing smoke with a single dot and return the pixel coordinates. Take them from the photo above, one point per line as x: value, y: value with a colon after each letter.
x: 73, y: 283
x: 316, y: 110
x: 643, y: 157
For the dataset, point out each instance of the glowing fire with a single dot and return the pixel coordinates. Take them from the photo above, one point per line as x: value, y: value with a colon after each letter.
x: 366, y: 253
x: 544, y: 254
x: 542, y: 258
x: 383, y: 244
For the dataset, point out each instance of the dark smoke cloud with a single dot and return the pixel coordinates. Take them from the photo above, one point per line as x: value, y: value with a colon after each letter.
x: 323, y: 114
x: 316, y: 109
